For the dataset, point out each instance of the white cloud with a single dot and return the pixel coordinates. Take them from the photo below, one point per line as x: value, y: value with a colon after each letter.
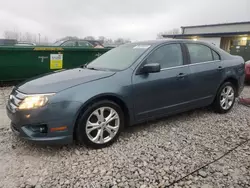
x: 134, y: 19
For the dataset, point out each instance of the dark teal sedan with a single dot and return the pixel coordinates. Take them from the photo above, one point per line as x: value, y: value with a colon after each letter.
x: 130, y: 84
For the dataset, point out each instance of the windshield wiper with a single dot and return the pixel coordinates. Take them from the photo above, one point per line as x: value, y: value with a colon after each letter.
x: 84, y: 65
x: 91, y: 68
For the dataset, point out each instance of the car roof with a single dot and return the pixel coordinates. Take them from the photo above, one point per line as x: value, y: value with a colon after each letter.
x: 154, y: 43
x: 163, y: 41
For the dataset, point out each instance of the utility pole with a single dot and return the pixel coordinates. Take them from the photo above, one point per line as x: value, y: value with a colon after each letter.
x: 39, y: 37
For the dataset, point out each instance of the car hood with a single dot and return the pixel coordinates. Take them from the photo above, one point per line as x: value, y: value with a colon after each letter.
x: 58, y: 81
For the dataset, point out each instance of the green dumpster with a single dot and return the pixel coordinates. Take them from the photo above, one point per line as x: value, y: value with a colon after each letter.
x: 20, y: 63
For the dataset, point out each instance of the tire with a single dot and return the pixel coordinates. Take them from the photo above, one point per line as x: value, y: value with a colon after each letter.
x: 96, y: 121
x: 224, y: 107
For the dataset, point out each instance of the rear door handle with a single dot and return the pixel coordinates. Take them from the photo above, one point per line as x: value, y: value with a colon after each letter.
x: 220, y: 68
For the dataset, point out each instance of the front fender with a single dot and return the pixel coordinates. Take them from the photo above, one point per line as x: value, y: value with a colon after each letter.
x: 108, y: 87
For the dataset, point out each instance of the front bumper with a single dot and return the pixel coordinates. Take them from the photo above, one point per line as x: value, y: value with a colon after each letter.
x: 27, y: 124
x: 26, y: 133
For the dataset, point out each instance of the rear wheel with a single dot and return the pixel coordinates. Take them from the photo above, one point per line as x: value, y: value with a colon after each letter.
x: 225, y: 98
x: 100, y: 125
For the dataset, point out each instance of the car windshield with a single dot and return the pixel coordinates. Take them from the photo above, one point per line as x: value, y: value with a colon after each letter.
x: 119, y: 58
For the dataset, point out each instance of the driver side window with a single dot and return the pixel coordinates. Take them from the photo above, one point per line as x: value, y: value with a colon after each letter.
x: 167, y: 56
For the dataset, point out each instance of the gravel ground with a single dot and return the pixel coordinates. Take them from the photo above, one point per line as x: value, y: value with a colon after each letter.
x: 194, y: 149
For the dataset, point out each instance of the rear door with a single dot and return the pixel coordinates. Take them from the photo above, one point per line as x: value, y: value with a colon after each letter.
x: 206, y: 72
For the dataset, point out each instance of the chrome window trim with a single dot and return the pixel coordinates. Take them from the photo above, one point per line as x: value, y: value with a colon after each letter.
x: 205, y: 62
x: 180, y: 66
x: 174, y: 67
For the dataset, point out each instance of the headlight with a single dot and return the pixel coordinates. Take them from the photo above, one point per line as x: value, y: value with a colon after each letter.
x: 35, y: 101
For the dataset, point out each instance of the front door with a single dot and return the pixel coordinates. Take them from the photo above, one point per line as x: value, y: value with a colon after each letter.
x: 156, y: 94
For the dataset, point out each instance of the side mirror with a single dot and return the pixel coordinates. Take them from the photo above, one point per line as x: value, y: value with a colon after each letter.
x: 151, y: 68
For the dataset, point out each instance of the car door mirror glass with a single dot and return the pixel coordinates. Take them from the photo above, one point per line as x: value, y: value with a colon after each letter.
x: 151, y: 68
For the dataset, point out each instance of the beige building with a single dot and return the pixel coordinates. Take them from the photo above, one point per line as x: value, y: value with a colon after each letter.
x: 232, y: 37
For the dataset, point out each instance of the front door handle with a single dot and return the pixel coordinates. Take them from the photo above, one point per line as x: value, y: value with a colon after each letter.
x: 220, y: 68
x: 181, y: 75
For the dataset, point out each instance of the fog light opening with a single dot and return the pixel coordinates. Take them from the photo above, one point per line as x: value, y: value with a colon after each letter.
x: 43, y: 129
x: 39, y: 128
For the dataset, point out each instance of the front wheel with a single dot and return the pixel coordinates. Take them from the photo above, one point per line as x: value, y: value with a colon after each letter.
x: 100, y: 125
x: 225, y: 98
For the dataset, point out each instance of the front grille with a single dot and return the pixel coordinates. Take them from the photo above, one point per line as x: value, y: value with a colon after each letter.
x: 19, y: 95
x: 16, y: 101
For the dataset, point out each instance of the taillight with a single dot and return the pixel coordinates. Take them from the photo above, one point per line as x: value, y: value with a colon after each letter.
x: 247, y: 68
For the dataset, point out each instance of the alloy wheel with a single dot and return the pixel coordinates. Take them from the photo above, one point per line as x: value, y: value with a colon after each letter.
x: 227, y: 97
x: 102, y: 125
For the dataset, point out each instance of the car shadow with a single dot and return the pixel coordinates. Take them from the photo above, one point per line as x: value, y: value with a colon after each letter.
x: 149, y: 125
x: 128, y: 132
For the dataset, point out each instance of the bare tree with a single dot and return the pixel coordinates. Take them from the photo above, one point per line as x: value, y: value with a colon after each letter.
x: 159, y: 35
x: 89, y: 38
x: 127, y: 41
x: 19, y: 36
x: 174, y: 31
x: 46, y: 39
x: 121, y: 41
x: 28, y: 37
x: 34, y: 39
x: 11, y: 35
x: 6, y: 35
x: 108, y: 41
x: 102, y: 39
x: 68, y: 38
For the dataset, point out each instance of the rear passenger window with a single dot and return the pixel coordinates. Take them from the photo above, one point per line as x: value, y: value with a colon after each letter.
x: 216, y: 55
x: 199, y: 53
x: 167, y: 56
